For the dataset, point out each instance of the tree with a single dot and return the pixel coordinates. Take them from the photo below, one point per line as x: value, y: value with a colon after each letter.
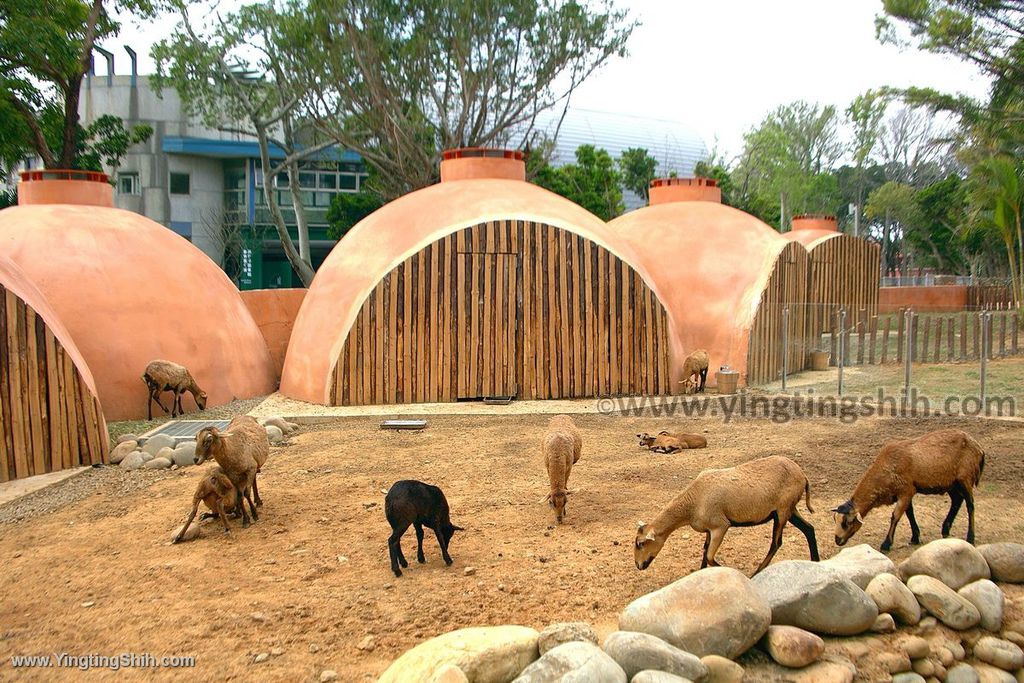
x: 404, y: 80
x: 45, y: 51
x: 865, y: 116
x: 592, y: 182
x: 996, y: 191
x: 892, y: 204
x: 240, y: 77
x: 638, y: 169
x: 347, y: 209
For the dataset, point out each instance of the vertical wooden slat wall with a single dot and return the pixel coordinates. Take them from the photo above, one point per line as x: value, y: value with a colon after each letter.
x: 506, y: 308
x: 49, y: 419
x: 843, y: 273
x: 787, y: 286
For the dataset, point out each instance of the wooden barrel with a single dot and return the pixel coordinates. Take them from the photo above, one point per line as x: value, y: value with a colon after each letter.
x: 727, y: 381
x: 819, y: 360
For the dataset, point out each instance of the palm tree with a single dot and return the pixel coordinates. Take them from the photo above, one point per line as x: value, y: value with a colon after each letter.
x: 997, y: 201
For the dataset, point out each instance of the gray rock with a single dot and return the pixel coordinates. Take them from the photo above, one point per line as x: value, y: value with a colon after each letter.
x: 650, y: 676
x: 155, y: 443
x: 185, y: 453
x: 989, y: 600
x: 1001, y: 653
x: 712, y: 611
x: 961, y: 673
x: 566, y: 632
x: 275, y: 434
x: 991, y: 674
x: 908, y: 677
x: 793, y: 647
x: 167, y: 453
x: 816, y: 598
x: 860, y: 564
x: 636, y: 652
x: 722, y: 670
x: 157, y: 464
x: 892, y: 595
x: 944, y: 603
x: 146, y: 457
x: 127, y: 437
x: 1005, y: 561
x: 121, y: 451
x: 575, y: 661
x: 133, y: 461
x: 952, y: 561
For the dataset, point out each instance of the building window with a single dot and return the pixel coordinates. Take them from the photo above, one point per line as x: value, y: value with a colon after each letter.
x: 128, y: 183
x: 183, y: 228
x: 181, y: 183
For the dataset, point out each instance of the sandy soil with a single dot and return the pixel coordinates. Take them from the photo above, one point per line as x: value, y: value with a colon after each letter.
x: 310, y: 581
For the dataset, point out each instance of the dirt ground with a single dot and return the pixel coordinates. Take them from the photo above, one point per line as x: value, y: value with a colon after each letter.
x: 87, y: 567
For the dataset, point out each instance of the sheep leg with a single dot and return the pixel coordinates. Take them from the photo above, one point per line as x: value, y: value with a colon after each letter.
x: 240, y: 505
x: 703, y: 379
x: 181, y: 534
x: 256, y: 492
x: 707, y: 542
x: 444, y: 547
x: 897, y: 514
x: 969, y: 500
x: 395, y: 549
x: 419, y: 543
x: 956, y: 499
x: 716, y: 536
x: 915, y: 531
x: 223, y: 516
x: 252, y: 505
x: 777, y: 527
x: 808, y: 531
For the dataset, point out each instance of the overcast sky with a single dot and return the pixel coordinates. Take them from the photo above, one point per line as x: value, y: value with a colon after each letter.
x: 719, y: 66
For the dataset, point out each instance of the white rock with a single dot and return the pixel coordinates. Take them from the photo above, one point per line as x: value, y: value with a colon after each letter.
x: 793, y: 647
x: 636, y: 652
x: 565, y: 632
x: 449, y: 674
x: 892, y: 595
x: 1000, y: 653
x: 127, y: 437
x: 952, y: 561
x: 157, y: 464
x: 961, y: 673
x: 884, y: 624
x: 908, y: 677
x: 133, y: 461
x: 486, y: 654
x: 944, y: 603
x: 651, y: 676
x: 155, y: 443
x: 860, y: 564
x: 185, y: 453
x: 722, y: 670
x: 1005, y: 561
x: 121, y: 451
x: 991, y: 674
x: 989, y: 600
x: 577, y: 662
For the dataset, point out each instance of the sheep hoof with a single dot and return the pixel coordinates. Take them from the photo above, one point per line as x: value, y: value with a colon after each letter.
x: 449, y: 561
x: 421, y: 560
x: 398, y: 572
x: 885, y: 547
x: 915, y: 541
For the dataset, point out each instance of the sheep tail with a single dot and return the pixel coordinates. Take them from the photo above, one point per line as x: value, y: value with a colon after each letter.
x: 807, y: 495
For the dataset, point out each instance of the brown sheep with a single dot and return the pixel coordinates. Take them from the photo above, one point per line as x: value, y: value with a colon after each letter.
x: 217, y: 492
x: 754, y: 493
x: 695, y: 368
x: 163, y: 375
x: 947, y: 461
x: 667, y: 442
x: 562, y: 447
x: 240, y: 451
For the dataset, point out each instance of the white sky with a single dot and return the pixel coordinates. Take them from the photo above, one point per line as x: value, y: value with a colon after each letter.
x: 718, y: 66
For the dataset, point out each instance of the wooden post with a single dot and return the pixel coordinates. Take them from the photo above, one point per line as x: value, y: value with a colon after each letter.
x: 963, y: 336
x: 976, y: 325
x: 885, y: 340
x: 832, y: 350
x: 938, y: 339
x: 900, y: 331
x: 913, y: 339
x: 924, y: 345
x: 1002, y: 335
x: 950, y: 348
x: 1015, y: 328
x: 873, y: 331
x: 860, y: 339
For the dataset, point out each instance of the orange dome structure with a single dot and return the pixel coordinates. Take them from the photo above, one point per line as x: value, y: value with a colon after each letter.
x: 130, y: 291
x: 482, y: 285
x: 844, y: 272
x: 727, y: 277
x: 50, y: 418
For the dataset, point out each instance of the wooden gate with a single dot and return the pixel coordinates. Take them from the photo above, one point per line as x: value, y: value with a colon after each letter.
x: 487, y: 296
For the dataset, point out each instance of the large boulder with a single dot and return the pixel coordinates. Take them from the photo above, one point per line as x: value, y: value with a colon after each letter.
x: 714, y: 611
x: 155, y: 444
x: 133, y: 461
x: 576, y: 661
x: 1005, y: 561
x: 486, y: 654
x: 793, y: 647
x: 122, y: 450
x: 989, y: 600
x: 566, y: 632
x: 636, y: 652
x: 892, y: 596
x: 945, y: 604
x: 815, y: 598
x: 1001, y: 653
x: 185, y: 453
x: 860, y: 564
x: 952, y: 561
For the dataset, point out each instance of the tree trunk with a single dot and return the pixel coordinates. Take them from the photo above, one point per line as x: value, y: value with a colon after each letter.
x: 300, y: 213
x: 69, y: 152
x: 303, y: 269
x: 885, y: 243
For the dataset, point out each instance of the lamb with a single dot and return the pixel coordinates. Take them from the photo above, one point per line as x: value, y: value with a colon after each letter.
x: 241, y: 452
x: 421, y: 505
x: 695, y: 366
x: 217, y: 492
x: 667, y: 442
x: 562, y: 447
x: 163, y: 375
x: 284, y: 425
x: 746, y: 495
x: 946, y: 461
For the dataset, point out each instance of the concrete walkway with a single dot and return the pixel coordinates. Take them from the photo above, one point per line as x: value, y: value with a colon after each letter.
x: 12, y: 490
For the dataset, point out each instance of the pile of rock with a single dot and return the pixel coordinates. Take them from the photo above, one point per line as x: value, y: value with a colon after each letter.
x: 692, y: 629
x: 160, y: 452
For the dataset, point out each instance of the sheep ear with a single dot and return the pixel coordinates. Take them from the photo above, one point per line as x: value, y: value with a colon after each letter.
x: 835, y: 509
x: 859, y: 518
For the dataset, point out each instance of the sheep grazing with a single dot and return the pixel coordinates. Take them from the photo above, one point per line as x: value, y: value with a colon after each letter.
x: 667, y: 442
x: 163, y: 375
x: 754, y: 493
x: 695, y: 368
x: 241, y: 452
x: 562, y: 447
x: 217, y: 492
x: 410, y: 502
x: 947, y: 461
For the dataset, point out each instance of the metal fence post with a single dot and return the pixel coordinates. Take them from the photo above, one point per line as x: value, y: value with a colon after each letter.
x: 983, y: 317
x: 908, y: 352
x: 842, y: 346
x: 785, y: 345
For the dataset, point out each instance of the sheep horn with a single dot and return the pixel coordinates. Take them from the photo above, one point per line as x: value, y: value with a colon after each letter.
x: 224, y: 435
x: 545, y: 499
x: 640, y: 525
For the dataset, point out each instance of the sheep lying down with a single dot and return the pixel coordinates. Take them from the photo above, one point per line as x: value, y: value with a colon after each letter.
x: 668, y: 442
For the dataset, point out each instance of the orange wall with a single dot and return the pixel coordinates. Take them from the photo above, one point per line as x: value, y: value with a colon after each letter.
x: 936, y: 299
x: 274, y: 311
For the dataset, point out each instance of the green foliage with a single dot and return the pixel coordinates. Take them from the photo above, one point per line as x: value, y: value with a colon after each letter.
x: 347, y: 209
x: 8, y: 198
x: 638, y: 169
x: 996, y: 200
x: 592, y: 182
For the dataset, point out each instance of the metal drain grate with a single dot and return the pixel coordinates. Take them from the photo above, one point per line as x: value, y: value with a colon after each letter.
x: 183, y: 430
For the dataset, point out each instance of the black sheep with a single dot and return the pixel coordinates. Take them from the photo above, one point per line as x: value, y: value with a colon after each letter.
x: 421, y: 505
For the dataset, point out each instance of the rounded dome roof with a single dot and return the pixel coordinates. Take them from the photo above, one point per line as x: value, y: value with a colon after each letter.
x: 810, y: 238
x: 403, y: 227
x: 130, y: 291
x: 713, y: 261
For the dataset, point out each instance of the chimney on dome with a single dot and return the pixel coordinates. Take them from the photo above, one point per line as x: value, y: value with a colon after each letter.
x: 471, y: 163
x: 697, y: 189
